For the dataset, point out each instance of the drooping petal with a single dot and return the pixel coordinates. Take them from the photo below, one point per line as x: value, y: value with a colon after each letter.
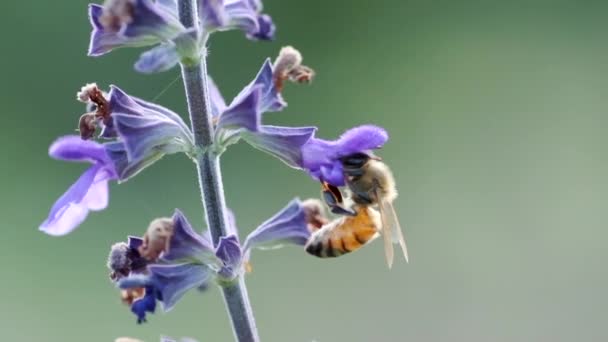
x: 188, y: 246
x: 173, y: 281
x: 89, y: 192
x: 284, y: 143
x: 229, y: 251
x: 287, y: 226
x: 321, y: 158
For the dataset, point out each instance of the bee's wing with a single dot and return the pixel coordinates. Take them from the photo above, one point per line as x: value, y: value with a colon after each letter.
x: 386, y: 232
x: 397, y: 233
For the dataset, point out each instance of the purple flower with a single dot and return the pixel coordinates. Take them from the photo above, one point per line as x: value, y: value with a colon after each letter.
x: 288, y: 226
x: 145, y: 131
x: 192, y: 262
x: 221, y: 15
x: 295, y: 146
x: 321, y: 158
x: 148, y: 130
x: 89, y: 192
x: 243, y: 119
x: 131, y: 23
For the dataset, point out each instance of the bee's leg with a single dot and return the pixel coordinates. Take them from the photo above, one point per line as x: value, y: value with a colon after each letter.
x: 333, y: 198
x: 340, y: 210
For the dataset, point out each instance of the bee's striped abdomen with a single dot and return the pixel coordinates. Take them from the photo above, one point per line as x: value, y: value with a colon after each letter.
x: 344, y: 235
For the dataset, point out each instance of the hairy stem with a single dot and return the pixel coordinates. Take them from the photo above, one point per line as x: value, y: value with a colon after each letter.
x: 210, y: 178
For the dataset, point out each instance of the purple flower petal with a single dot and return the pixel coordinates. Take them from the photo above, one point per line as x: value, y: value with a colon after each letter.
x: 121, y: 102
x: 188, y: 246
x: 173, y: 281
x: 212, y: 14
x: 287, y: 226
x: 146, y: 133
x: 266, y: 29
x: 229, y: 251
x: 243, y: 114
x: 284, y: 143
x: 126, y: 168
x: 271, y: 99
x: 134, y: 242
x: 321, y: 158
x: 149, y: 18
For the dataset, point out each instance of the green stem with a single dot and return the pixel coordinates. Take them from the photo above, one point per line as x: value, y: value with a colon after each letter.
x: 210, y: 178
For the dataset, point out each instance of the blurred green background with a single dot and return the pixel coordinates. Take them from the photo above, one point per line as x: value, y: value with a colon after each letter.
x: 497, y: 113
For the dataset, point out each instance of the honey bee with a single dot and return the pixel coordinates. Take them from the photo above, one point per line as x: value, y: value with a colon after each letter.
x: 371, y: 185
x: 157, y: 238
x: 371, y: 182
x: 345, y: 234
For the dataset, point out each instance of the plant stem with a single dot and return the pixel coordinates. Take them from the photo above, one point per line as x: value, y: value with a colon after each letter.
x: 210, y: 178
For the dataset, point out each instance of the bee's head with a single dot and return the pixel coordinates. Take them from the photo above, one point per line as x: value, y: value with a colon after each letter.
x: 356, y: 161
